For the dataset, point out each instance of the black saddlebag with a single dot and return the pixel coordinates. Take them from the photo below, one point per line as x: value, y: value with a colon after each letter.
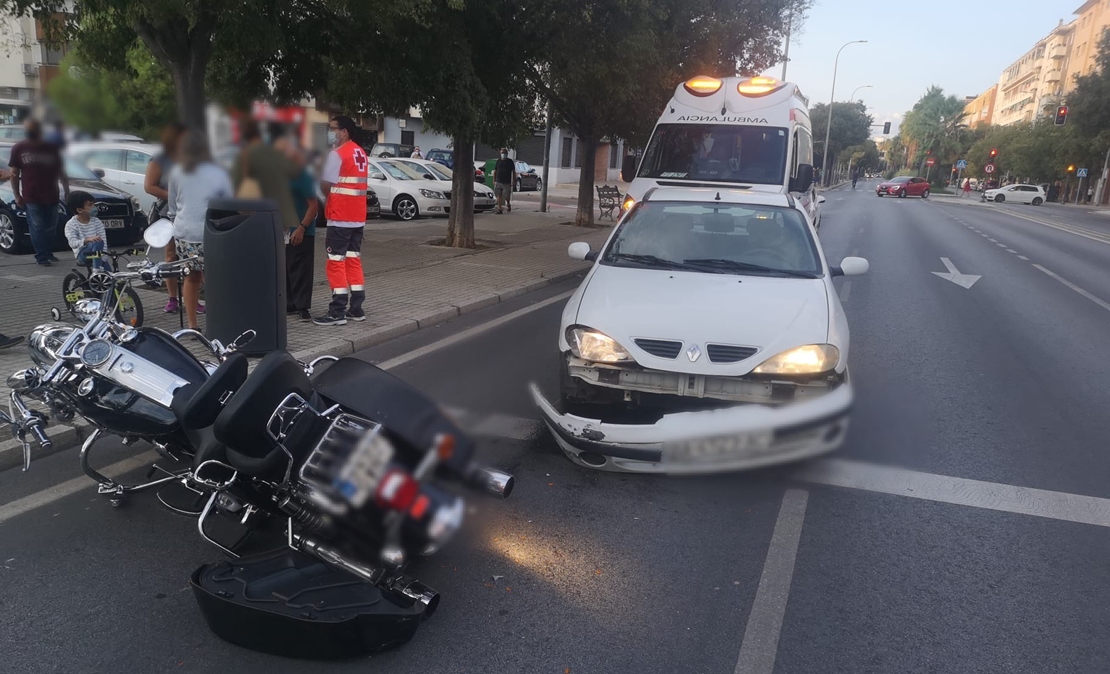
x: 286, y: 603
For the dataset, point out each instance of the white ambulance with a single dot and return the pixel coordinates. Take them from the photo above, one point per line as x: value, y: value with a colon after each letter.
x: 748, y: 133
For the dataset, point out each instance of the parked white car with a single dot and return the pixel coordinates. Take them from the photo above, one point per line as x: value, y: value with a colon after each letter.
x: 407, y: 196
x: 484, y: 199
x: 122, y: 163
x: 1022, y: 194
x: 707, y: 336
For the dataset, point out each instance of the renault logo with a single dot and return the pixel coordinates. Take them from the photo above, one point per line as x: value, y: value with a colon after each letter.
x: 693, y: 353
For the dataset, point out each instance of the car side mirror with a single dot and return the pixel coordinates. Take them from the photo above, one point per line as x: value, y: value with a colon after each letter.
x: 628, y: 168
x: 99, y: 173
x: 804, y: 180
x: 377, y: 176
x: 851, y: 266
x: 821, y: 200
x: 429, y: 176
x: 581, y: 251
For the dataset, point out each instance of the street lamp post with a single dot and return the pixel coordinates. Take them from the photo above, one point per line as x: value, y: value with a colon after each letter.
x: 865, y: 86
x: 828, y: 126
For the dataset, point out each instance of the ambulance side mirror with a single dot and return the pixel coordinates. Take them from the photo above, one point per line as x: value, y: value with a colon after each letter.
x: 804, y: 180
x: 628, y: 168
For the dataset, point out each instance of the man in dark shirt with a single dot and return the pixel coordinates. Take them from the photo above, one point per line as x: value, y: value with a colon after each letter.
x: 504, y: 177
x: 37, y: 167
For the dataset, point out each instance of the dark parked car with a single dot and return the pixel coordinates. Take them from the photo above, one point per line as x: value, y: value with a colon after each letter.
x: 123, y: 218
x: 526, y: 177
x: 447, y: 158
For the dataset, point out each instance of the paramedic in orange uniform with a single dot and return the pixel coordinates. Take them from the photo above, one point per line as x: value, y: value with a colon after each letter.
x: 343, y: 185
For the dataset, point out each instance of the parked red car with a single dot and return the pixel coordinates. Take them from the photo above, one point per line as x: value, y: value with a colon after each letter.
x: 904, y: 186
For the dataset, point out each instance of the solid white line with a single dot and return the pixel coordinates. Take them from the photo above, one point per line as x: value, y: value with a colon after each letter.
x: 1084, y: 293
x: 70, y: 487
x: 761, y: 636
x: 845, y: 291
x: 958, y: 491
x: 467, y: 334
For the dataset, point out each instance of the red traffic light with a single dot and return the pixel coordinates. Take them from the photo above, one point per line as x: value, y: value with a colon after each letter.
x: 994, y: 153
x: 1061, y: 115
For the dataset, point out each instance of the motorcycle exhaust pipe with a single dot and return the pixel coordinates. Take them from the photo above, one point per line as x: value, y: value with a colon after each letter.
x: 494, y: 482
x: 415, y: 592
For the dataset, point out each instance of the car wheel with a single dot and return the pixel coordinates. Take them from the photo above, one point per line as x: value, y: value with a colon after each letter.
x: 999, y: 198
x: 1037, y: 201
x: 879, y: 194
x: 925, y: 194
x: 517, y: 186
x: 11, y: 240
x: 539, y: 184
x: 405, y: 208
x: 902, y: 194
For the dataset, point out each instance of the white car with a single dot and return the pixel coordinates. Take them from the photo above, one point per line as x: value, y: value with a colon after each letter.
x: 1022, y: 194
x: 123, y: 165
x: 484, y: 199
x: 405, y: 194
x: 707, y: 336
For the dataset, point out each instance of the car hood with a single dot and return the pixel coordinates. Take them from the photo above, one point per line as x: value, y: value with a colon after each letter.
x: 771, y: 314
x: 96, y: 188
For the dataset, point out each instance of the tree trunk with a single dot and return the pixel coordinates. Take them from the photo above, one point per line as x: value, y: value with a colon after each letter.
x: 184, y: 53
x: 188, y: 82
x: 585, y: 216
x: 460, y: 223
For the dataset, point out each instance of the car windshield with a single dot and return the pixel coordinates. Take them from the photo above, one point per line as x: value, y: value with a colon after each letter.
x: 717, y: 153
x: 74, y: 169
x: 902, y: 179
x: 715, y: 238
x: 395, y: 171
x: 417, y: 170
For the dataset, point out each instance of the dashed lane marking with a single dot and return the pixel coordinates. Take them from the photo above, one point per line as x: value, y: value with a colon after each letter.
x: 1022, y: 257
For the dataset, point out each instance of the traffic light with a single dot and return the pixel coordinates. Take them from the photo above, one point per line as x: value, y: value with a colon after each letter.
x: 886, y: 129
x: 1071, y: 168
x: 1061, y: 115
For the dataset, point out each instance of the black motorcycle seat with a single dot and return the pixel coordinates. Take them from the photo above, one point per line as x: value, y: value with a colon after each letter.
x: 407, y: 414
x: 241, y: 425
x: 198, y: 405
x: 205, y: 446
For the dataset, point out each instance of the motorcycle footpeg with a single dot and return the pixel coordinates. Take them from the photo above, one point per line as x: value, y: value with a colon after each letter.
x: 288, y: 604
x: 182, y: 499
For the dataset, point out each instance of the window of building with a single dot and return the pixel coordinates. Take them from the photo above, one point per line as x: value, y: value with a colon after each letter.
x: 564, y: 158
x: 614, y: 155
x: 578, y: 153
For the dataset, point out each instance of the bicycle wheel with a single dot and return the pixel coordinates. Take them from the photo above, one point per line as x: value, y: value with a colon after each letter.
x: 75, y: 287
x: 130, y: 310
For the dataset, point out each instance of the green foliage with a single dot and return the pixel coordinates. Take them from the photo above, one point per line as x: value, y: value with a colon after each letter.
x: 137, y: 97
x: 1037, y: 152
x: 851, y: 127
x: 864, y: 155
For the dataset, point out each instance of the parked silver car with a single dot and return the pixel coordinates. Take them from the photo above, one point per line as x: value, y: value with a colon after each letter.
x: 123, y: 165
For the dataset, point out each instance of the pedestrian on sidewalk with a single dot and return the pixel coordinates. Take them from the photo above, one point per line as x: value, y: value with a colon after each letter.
x: 85, y: 232
x: 504, y: 177
x: 157, y: 184
x: 37, y: 168
x: 1090, y: 193
x: 272, y: 169
x: 967, y: 187
x: 344, y: 184
x: 194, y: 181
x: 416, y: 153
x: 300, y: 247
x: 57, y: 137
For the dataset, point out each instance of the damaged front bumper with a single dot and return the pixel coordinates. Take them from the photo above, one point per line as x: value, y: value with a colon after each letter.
x: 735, y: 438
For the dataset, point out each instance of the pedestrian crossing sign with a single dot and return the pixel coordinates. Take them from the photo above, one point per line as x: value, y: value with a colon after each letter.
x: 1082, y: 173
x: 962, y: 164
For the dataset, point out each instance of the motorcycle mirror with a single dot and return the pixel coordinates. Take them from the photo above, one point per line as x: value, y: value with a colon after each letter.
x: 243, y: 339
x: 159, y: 234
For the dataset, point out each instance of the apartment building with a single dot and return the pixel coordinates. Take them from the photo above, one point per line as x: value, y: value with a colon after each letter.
x: 1034, y: 85
x: 980, y: 109
x: 1093, y: 18
x: 27, y: 64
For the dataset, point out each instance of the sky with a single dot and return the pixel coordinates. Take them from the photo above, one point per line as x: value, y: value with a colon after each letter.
x: 962, y: 47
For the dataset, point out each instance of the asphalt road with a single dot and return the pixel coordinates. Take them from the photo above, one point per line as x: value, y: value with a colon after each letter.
x: 906, y: 552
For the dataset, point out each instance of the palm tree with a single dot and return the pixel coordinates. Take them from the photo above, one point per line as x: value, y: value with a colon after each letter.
x: 935, y: 125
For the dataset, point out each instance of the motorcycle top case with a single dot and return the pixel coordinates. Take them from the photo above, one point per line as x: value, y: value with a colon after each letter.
x: 286, y: 603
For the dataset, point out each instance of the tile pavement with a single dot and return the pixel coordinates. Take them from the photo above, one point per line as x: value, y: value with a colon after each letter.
x: 410, y: 284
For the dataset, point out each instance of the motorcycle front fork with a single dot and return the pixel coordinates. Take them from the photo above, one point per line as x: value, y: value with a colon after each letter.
x: 115, y: 491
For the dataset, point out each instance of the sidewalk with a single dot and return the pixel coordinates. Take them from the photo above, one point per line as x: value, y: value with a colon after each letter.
x: 410, y: 284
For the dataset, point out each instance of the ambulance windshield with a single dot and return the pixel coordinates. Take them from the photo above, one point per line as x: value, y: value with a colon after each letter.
x: 722, y: 153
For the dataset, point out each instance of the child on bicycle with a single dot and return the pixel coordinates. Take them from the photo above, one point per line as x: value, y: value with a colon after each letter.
x: 85, y: 232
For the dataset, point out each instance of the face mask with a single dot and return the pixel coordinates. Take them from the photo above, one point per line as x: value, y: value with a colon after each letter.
x: 333, y: 138
x: 93, y: 211
x: 504, y: 156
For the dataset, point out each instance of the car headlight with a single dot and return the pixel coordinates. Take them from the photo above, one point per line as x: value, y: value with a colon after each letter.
x: 136, y: 207
x: 595, y: 346
x: 432, y: 194
x: 808, y: 359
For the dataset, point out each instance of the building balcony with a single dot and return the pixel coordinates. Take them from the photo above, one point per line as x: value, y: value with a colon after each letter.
x: 1049, y: 101
x: 1053, y: 76
x: 1060, y: 51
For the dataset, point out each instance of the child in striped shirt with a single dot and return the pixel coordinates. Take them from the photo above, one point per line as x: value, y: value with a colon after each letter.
x: 84, y: 231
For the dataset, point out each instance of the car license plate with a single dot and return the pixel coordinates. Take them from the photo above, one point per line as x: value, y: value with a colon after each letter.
x: 114, y: 224
x: 718, y: 449
x: 374, y: 209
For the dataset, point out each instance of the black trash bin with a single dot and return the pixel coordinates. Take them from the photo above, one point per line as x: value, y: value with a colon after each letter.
x: 244, y: 273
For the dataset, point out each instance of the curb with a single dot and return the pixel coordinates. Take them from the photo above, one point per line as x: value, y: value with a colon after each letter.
x: 65, y: 436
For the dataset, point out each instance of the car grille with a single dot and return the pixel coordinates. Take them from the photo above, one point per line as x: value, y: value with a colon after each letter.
x: 661, y: 348
x: 722, y: 353
x: 112, y: 209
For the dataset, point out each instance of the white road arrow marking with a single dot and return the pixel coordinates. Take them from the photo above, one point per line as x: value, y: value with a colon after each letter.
x: 954, y: 275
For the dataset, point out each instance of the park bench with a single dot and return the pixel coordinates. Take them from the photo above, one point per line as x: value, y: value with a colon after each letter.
x: 608, y: 200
